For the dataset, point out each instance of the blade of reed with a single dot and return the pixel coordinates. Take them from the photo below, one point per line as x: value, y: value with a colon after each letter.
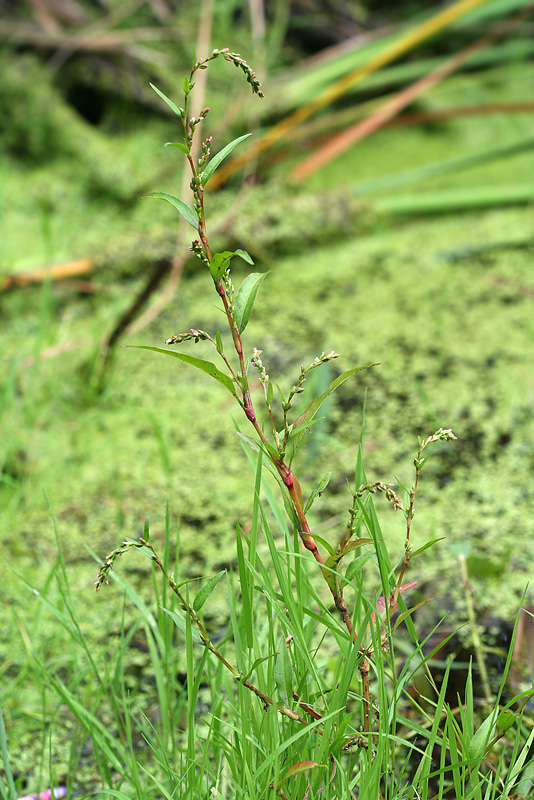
x: 336, y: 145
x: 406, y: 42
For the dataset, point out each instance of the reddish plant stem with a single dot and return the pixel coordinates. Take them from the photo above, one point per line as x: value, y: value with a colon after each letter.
x: 283, y: 469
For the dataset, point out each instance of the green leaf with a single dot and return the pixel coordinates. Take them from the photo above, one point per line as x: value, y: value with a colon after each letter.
x: 187, y: 213
x: 180, y: 623
x: 283, y: 675
x: 165, y: 99
x: 206, y: 590
x: 245, y: 297
x: 270, y: 394
x: 333, y: 578
x: 212, y: 165
x: 244, y: 255
x: 219, y: 264
x: 146, y: 531
x: 221, y: 261
x: 206, y: 366
x: 481, y: 738
x: 321, y: 486
x: 256, y: 664
x: 325, y: 543
x: 219, y: 342
x: 303, y: 428
x: 180, y: 145
x: 265, y: 447
x: 187, y: 87
x: 506, y: 719
x: 357, y: 565
x: 407, y: 613
x: 426, y: 546
x: 312, y: 410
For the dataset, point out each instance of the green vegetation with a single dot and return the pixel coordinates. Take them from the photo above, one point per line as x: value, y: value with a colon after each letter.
x: 443, y: 302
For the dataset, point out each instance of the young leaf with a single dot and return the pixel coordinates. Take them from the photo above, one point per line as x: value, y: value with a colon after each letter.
x: 245, y: 297
x: 270, y: 394
x: 265, y: 447
x: 187, y: 213
x: 212, y: 165
x: 206, y: 366
x: 219, y: 342
x: 165, y: 99
x: 180, y: 623
x: 506, y: 719
x: 304, y: 427
x: 281, y: 396
x: 256, y: 664
x: 219, y: 264
x: 312, y: 410
x: 146, y: 531
x: 426, y: 546
x: 334, y: 579
x: 206, y: 590
x: 324, y: 542
x: 187, y: 87
x: 244, y: 255
x: 357, y: 565
x: 180, y: 145
x: 407, y: 613
x: 321, y: 486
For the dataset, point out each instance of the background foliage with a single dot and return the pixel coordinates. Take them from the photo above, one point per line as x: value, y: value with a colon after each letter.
x: 442, y: 300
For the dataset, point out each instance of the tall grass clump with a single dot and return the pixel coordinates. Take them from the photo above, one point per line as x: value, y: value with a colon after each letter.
x: 310, y: 690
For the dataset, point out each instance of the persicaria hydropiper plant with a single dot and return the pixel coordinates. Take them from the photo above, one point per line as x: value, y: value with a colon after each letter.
x: 366, y: 635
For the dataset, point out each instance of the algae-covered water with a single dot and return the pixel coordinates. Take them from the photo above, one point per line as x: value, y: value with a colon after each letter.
x: 444, y: 303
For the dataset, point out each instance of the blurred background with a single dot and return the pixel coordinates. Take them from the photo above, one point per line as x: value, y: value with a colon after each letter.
x: 388, y: 189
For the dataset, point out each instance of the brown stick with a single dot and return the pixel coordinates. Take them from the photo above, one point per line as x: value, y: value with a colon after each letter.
x: 56, y: 272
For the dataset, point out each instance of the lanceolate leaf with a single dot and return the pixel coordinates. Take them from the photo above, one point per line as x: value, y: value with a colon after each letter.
x: 212, y: 165
x: 206, y: 590
x: 206, y: 366
x: 165, y: 99
x: 321, y: 486
x: 245, y: 297
x: 427, y: 545
x: 407, y: 613
x: 180, y: 145
x: 244, y: 255
x: 187, y: 213
x: 304, y: 427
x: 180, y: 623
x: 312, y: 410
x: 298, y: 769
x: 357, y: 565
x: 256, y: 664
x: 334, y: 579
x: 264, y: 447
x: 221, y: 261
x: 283, y: 675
